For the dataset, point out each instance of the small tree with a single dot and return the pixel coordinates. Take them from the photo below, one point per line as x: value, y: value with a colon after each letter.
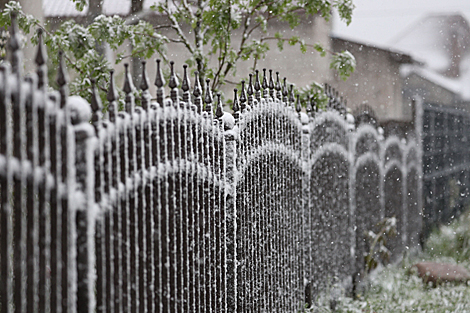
x: 211, y: 22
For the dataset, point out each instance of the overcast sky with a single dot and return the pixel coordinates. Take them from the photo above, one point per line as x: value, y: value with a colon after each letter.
x: 380, y: 21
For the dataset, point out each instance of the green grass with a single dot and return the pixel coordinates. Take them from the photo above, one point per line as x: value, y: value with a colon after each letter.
x: 395, y: 288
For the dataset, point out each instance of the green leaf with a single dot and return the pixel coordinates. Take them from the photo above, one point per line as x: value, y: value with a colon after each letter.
x: 344, y: 63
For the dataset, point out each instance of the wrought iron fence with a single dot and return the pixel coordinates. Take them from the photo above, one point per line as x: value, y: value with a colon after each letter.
x: 169, y: 207
x: 446, y: 163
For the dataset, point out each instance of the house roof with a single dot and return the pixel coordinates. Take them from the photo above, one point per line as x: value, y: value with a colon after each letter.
x: 435, y: 38
x: 396, y: 55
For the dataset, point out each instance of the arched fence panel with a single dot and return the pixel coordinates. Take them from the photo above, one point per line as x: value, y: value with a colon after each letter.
x: 367, y: 189
x: 330, y: 215
x: 269, y: 209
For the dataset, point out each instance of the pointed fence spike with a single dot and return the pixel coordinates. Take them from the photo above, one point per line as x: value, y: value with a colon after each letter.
x: 284, y: 90
x: 243, y: 97
x: 128, y: 89
x: 220, y: 110
x: 185, y: 86
x: 173, y: 84
x: 160, y: 84
x: 257, y: 86
x: 264, y: 84
x: 235, y: 106
x: 128, y: 85
x: 16, y: 56
x: 159, y: 80
x: 249, y: 90
x: 197, y: 85
x: 271, y: 84
x: 62, y: 80
x: 291, y: 94
x: 41, y: 55
x: 298, y: 106
x: 208, y: 97
x: 62, y: 76
x: 95, y: 105
x: 265, y: 81
x: 309, y: 107
x: 41, y: 59
x: 197, y: 93
x: 144, y: 86
x: 112, y: 93
x: 144, y: 83
x: 278, y: 87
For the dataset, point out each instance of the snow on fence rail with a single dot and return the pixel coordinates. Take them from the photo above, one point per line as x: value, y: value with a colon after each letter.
x: 168, y: 207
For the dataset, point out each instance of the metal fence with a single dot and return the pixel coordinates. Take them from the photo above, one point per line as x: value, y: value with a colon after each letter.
x: 446, y: 163
x: 169, y: 207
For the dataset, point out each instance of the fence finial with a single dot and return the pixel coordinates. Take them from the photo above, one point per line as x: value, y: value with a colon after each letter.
x: 291, y: 95
x: 16, y: 57
x: 249, y: 90
x: 160, y: 84
x: 144, y: 83
x: 111, y: 96
x: 236, y: 107
x: 284, y: 91
x: 144, y: 86
x: 298, y: 106
x: 185, y: 86
x: 128, y: 89
x: 197, y: 93
x: 41, y: 59
x: 95, y: 105
x: 243, y: 97
x: 265, y: 84
x: 219, y: 112
x: 173, y: 84
x: 309, y: 107
x: 271, y: 84
x: 62, y: 79
x: 278, y: 87
x: 257, y: 86
x: 208, y: 97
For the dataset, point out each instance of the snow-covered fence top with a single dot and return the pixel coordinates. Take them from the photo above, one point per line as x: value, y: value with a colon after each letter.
x: 170, y: 207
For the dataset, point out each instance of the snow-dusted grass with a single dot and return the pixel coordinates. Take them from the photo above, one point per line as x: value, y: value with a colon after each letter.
x: 396, y: 288
x: 451, y: 241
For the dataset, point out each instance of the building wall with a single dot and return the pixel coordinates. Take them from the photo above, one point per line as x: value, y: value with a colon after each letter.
x: 33, y: 7
x: 300, y: 69
x: 375, y: 82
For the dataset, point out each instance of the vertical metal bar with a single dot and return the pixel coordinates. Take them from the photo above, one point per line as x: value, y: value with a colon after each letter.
x: 115, y: 246
x: 5, y: 182
x: 31, y: 193
x: 132, y: 192
x: 157, y: 230
x: 124, y: 216
x: 44, y: 204
x: 55, y: 208
x: 19, y: 199
x: 141, y: 207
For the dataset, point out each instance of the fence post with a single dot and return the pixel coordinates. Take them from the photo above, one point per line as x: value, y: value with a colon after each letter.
x: 418, y: 124
x: 83, y: 198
